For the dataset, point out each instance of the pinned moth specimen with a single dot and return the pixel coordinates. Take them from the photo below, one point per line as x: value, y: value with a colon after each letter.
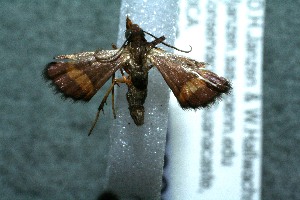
x: 80, y: 75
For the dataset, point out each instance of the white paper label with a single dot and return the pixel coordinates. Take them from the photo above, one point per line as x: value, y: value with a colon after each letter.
x: 215, y: 153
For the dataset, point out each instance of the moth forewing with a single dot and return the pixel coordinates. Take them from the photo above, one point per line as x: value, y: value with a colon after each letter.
x: 192, y: 84
x: 79, y: 76
x: 77, y: 56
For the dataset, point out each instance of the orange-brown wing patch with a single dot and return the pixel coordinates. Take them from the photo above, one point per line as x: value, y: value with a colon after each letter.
x: 81, y: 79
x: 191, y: 83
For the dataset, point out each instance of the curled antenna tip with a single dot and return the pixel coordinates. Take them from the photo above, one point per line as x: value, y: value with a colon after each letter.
x: 190, y: 49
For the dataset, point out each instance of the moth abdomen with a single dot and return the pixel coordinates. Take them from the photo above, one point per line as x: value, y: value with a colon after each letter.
x: 136, y: 99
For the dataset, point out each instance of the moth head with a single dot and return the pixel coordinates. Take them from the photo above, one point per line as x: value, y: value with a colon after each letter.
x: 132, y: 30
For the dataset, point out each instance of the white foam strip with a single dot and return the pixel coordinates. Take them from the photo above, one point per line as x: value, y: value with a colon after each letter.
x: 216, y: 153
x: 136, y: 154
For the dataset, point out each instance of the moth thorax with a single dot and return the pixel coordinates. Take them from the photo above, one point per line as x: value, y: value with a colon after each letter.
x: 139, y: 79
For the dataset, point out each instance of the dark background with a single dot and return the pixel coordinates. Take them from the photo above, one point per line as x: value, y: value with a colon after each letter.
x: 281, y: 106
x: 44, y: 153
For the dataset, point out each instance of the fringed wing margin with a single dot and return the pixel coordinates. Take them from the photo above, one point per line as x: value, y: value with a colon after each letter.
x: 192, y: 84
x: 80, y: 76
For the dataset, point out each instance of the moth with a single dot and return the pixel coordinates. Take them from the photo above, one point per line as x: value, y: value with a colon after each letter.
x: 79, y: 76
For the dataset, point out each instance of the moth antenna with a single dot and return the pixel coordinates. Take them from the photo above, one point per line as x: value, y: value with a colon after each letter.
x: 114, y: 46
x: 114, y: 56
x: 168, y: 45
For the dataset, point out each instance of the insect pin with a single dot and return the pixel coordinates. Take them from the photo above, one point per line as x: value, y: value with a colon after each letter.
x: 79, y: 76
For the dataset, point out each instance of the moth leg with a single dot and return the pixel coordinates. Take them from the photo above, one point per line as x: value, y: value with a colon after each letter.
x: 124, y: 79
x: 113, y: 96
x: 122, y: 72
x: 103, y: 102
